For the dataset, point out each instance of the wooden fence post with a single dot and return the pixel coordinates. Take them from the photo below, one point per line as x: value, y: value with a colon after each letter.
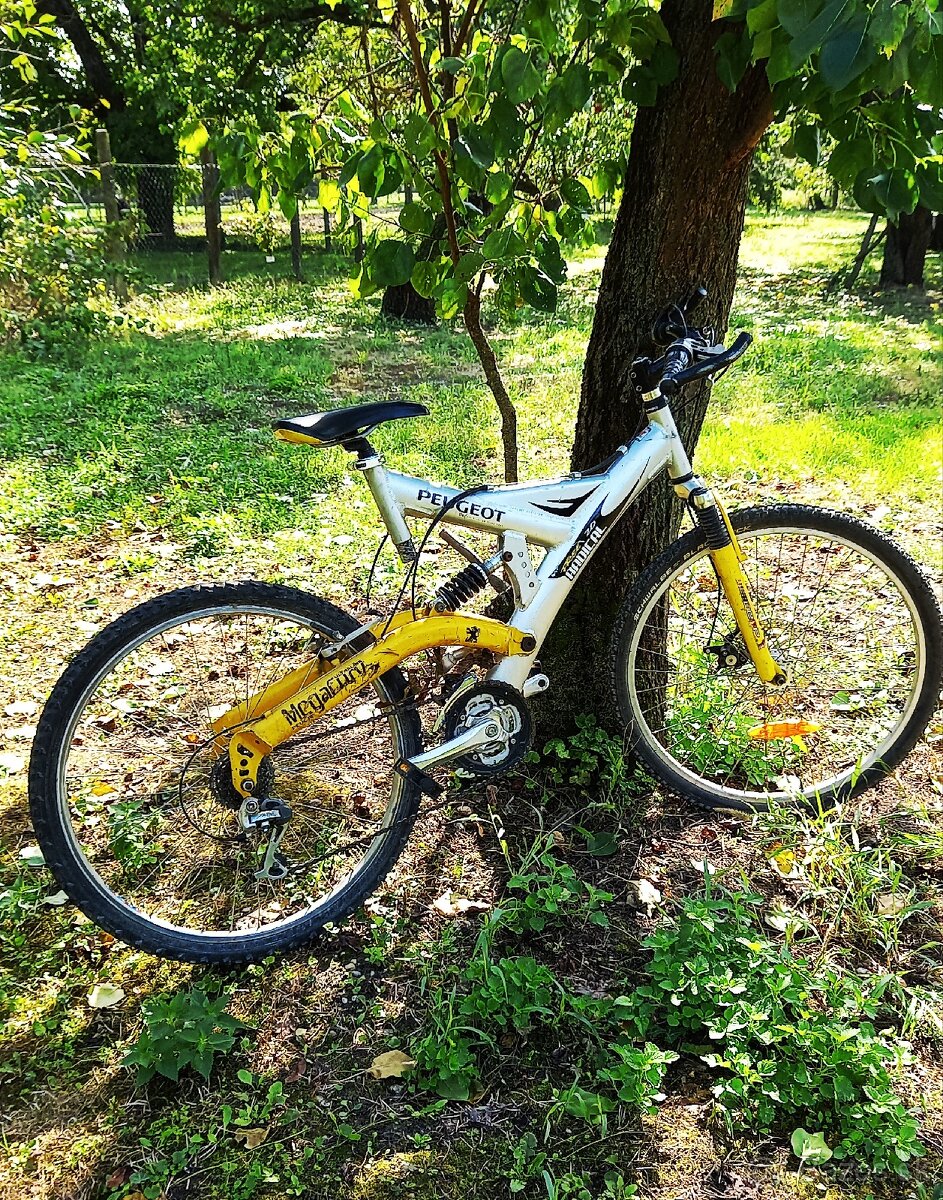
x: 117, y: 251
x: 212, y: 215
x: 327, y: 231
x: 295, y: 228
x: 358, y: 240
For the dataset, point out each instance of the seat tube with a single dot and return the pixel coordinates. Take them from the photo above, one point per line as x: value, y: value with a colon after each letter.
x: 371, y: 464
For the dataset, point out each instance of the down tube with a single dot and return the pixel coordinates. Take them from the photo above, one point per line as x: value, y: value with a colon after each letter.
x: 646, y: 457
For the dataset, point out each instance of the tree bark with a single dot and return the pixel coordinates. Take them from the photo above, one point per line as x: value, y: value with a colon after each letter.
x: 936, y: 237
x: 905, y: 249
x: 679, y: 225
x: 403, y: 303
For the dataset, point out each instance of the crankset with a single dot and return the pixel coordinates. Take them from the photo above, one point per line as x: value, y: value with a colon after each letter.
x: 497, y: 705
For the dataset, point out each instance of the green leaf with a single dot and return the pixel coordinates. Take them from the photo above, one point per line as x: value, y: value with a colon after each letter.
x: 929, y: 177
x: 501, y: 245
x: 550, y: 260
x: 450, y: 295
x: 896, y: 191
x: 796, y: 15
x: 451, y: 66
x: 519, y: 75
x: 576, y: 85
x: 779, y: 66
x: 733, y: 57
x: 414, y: 218
x: 497, y: 186
x: 478, y: 146
x: 469, y: 265
x: 663, y: 64
x: 505, y: 128
x: 194, y: 138
x: 849, y: 157
x: 370, y: 171
x: 810, y: 1147
x: 537, y: 290
x: 288, y: 203
x: 392, y: 179
x: 575, y: 194
x: 391, y: 263
x: 329, y: 194
x: 418, y: 135
x: 762, y: 16
x: 424, y: 278
x: 640, y: 87
x: 806, y: 143
x: 601, y: 845
x: 349, y: 169
x: 845, y: 56
x: 244, y: 1076
x: 812, y: 36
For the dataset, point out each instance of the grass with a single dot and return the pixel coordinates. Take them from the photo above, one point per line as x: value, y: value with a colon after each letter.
x: 146, y: 462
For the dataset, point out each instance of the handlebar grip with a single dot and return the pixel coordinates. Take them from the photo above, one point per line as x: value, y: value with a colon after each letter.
x: 676, y: 360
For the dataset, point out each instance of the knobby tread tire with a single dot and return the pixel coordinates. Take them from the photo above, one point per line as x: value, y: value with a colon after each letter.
x: 823, y: 520
x: 87, y: 891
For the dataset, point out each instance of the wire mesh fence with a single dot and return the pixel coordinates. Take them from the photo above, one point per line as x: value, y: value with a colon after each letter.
x: 181, y: 223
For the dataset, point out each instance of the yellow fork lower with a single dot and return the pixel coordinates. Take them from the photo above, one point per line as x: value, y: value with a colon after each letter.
x: 733, y: 580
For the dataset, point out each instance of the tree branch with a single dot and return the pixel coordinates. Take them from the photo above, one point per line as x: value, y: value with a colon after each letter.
x: 100, y: 78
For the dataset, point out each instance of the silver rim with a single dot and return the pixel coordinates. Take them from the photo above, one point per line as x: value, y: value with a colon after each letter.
x: 269, y: 899
x: 902, y: 632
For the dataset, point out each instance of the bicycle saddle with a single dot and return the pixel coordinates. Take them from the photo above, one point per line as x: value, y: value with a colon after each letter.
x: 340, y: 425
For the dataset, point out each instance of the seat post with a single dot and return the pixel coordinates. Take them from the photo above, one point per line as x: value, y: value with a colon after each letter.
x: 371, y: 464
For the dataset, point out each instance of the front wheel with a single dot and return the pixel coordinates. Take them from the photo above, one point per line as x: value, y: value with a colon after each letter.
x: 134, y: 805
x: 850, y: 618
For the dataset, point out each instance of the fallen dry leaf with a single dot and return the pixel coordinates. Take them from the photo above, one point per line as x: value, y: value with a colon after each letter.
x: 891, y: 904
x: 648, y: 894
x: 105, y: 995
x: 392, y: 1063
x: 251, y: 1138
x: 448, y: 905
x: 21, y: 708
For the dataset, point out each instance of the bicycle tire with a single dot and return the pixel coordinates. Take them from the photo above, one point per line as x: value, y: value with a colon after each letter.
x: 651, y: 587
x: 52, y: 826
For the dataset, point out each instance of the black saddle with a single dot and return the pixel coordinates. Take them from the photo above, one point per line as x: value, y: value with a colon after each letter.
x: 341, y: 425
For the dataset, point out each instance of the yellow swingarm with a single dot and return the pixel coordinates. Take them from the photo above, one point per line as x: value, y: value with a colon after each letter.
x: 727, y: 562
x: 304, y: 695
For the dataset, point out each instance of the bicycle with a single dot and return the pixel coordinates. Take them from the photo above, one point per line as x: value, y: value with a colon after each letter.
x: 226, y: 769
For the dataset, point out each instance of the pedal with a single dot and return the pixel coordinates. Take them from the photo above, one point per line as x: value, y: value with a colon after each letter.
x: 410, y: 772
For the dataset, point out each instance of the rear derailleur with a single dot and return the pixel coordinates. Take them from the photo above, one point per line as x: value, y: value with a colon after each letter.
x: 267, y: 817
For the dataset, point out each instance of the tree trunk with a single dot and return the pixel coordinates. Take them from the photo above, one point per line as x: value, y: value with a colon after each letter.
x: 936, y: 237
x: 679, y: 224
x: 905, y: 249
x: 403, y: 303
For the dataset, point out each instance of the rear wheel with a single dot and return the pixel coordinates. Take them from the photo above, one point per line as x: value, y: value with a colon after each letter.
x: 849, y: 617
x: 135, y: 809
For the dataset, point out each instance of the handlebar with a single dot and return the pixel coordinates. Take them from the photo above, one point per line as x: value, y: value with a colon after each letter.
x: 704, y: 360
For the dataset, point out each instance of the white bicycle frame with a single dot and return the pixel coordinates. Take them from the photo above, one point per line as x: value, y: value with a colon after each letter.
x: 568, y: 517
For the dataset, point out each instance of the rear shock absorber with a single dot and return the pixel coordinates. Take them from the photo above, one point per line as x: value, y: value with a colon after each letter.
x: 467, y: 583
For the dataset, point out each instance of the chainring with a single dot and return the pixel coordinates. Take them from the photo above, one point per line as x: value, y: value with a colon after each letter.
x: 489, y: 702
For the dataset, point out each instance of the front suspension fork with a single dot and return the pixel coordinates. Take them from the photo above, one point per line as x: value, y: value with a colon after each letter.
x: 727, y: 558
